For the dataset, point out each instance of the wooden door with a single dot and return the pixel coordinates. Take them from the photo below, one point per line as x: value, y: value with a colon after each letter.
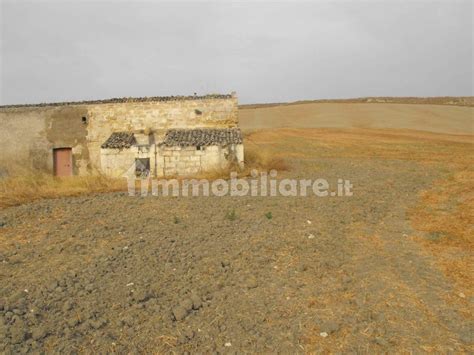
x: 62, y: 161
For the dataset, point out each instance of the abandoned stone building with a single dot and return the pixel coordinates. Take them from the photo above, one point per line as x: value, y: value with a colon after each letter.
x: 162, y: 136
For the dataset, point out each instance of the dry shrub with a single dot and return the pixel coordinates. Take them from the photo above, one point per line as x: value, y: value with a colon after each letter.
x: 263, y: 160
x: 15, y: 190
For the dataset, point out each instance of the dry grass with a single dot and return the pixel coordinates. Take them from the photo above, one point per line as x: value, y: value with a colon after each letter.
x: 262, y: 158
x: 16, y: 190
x: 447, y: 210
x: 24, y: 185
x: 264, y: 161
x: 445, y: 213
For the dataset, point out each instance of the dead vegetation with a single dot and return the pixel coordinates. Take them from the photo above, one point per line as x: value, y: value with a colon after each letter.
x: 26, y: 185
x: 263, y: 159
x: 16, y: 190
x: 445, y: 213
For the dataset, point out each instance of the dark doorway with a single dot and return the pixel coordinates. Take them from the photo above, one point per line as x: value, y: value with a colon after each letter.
x: 142, y: 167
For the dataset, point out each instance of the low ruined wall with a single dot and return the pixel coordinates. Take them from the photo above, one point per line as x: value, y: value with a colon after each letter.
x: 29, y: 134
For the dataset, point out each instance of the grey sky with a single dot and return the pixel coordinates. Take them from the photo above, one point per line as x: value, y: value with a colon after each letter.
x: 266, y: 51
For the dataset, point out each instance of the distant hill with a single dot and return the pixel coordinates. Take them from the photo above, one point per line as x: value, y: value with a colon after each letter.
x: 437, y: 115
x: 439, y: 100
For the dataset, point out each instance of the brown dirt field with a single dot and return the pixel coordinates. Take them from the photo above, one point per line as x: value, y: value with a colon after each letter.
x: 387, y: 270
x: 432, y: 118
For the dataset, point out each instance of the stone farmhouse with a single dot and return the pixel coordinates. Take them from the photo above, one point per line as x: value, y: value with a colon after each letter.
x: 160, y: 136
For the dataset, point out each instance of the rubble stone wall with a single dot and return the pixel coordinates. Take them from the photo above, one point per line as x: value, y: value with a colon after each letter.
x: 170, y: 161
x: 189, y: 160
x: 157, y: 117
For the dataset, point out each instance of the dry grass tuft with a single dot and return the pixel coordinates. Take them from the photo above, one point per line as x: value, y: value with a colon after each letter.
x: 263, y: 159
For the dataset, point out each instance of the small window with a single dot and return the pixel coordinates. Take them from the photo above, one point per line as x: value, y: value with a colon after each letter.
x: 142, y: 167
x: 84, y: 119
x: 200, y: 147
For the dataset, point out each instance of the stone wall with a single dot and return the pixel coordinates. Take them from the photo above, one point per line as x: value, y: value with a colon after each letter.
x: 118, y: 162
x: 28, y: 136
x: 171, y: 161
x: 156, y: 118
x: 29, y: 133
x: 189, y: 160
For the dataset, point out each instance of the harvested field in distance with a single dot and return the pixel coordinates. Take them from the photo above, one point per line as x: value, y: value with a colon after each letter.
x: 432, y: 118
x: 441, y: 100
x: 109, y: 272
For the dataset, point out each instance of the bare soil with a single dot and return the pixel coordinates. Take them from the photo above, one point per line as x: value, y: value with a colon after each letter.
x: 109, y: 272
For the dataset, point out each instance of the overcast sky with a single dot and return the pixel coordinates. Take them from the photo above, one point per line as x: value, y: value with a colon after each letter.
x: 266, y: 51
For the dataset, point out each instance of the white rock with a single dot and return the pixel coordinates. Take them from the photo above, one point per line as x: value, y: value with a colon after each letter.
x: 310, y: 236
x: 308, y: 221
x: 130, y: 284
x: 323, y: 334
x: 227, y: 344
x: 462, y: 295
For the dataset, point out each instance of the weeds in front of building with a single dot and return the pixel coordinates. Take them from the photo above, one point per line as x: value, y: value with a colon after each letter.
x: 20, y: 184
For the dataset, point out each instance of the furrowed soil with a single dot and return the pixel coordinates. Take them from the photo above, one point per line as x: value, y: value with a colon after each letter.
x: 114, y: 273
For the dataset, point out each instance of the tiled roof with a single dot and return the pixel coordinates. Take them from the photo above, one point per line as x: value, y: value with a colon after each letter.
x: 127, y: 99
x: 202, y: 137
x: 120, y: 140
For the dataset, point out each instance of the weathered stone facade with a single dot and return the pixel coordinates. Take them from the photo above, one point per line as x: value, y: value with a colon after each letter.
x: 30, y: 133
x: 186, y: 151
